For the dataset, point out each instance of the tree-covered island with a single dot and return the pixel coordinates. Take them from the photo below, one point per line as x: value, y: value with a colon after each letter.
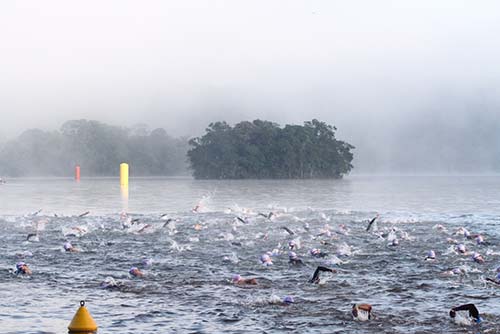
x: 264, y: 150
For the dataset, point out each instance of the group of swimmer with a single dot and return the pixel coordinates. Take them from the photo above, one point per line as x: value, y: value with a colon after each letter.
x: 362, y: 312
x: 468, y: 313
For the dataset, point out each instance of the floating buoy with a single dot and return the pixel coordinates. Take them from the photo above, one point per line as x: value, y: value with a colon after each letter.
x: 124, y: 175
x: 77, y: 173
x: 82, y: 321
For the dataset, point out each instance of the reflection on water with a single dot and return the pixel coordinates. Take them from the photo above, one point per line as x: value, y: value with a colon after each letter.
x: 189, y: 260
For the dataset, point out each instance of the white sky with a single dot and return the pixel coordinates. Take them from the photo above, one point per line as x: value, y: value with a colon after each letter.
x: 180, y: 64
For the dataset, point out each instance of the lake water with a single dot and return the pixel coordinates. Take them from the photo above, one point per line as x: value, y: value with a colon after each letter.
x: 188, y: 289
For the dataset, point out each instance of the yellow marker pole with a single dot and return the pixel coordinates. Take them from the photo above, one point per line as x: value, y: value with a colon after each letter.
x: 82, y: 321
x: 124, y: 175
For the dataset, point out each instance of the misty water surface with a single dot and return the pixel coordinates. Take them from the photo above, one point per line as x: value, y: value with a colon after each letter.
x: 188, y: 289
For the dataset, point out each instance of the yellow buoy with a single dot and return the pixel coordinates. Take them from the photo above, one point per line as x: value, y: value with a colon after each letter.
x: 124, y: 174
x: 82, y: 321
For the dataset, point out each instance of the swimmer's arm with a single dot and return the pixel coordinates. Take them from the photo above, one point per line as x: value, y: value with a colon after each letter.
x: 371, y: 222
x: 83, y: 214
x: 473, y: 312
x: 315, y: 277
x: 492, y: 280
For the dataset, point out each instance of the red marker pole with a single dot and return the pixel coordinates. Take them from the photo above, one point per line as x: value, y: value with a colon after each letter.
x: 77, y: 173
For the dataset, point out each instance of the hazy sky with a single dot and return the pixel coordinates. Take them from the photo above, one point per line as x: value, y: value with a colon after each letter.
x: 377, y: 69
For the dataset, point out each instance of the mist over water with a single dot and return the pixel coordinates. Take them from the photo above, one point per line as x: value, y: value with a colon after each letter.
x: 413, y: 85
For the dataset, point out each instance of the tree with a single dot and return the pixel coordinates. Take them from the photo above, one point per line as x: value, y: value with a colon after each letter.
x: 262, y: 149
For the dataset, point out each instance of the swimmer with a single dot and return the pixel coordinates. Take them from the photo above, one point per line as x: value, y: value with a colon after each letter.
x: 36, y: 213
x: 315, y: 279
x: 461, y: 249
x: 243, y: 220
x: 362, y: 312
x: 480, y: 240
x: 68, y: 247
x: 33, y: 237
x: 77, y: 231
x: 22, y: 268
x: 473, y: 313
x: 268, y: 216
x: 394, y: 243
x: 431, y: 255
x: 265, y: 259
x: 169, y: 220
x: 440, y: 228
x: 478, y: 258
x: 145, y: 228
x: 238, y: 280
x: 108, y: 283
x: 495, y: 280
x: 343, y: 230
x: 294, y: 259
x: 288, y: 300
x: 293, y: 244
x: 148, y: 263
x: 315, y: 252
x: 83, y: 214
x: 134, y: 271
x: 453, y: 272
x: 371, y: 222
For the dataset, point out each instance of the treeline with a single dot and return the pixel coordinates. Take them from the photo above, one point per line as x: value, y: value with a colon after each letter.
x: 262, y: 149
x: 97, y: 147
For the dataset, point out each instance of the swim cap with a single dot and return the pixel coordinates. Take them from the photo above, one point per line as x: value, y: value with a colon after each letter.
x: 456, y: 271
x: 291, y: 244
x: 466, y: 233
x: 265, y: 258
x: 476, y: 256
x: 133, y: 271
x: 236, y: 278
x: 479, y: 239
x: 292, y: 255
x: 19, y: 265
x: 67, y: 246
x: 147, y: 262
x: 108, y: 282
x: 461, y: 248
x: 395, y: 242
x: 288, y: 300
x: 431, y: 254
x: 315, y: 251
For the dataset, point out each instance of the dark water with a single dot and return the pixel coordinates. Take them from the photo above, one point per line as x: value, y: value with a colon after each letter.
x: 187, y: 289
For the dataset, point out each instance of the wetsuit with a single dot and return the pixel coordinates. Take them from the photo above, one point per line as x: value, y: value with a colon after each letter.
x: 315, y: 278
x: 370, y: 223
x: 473, y: 312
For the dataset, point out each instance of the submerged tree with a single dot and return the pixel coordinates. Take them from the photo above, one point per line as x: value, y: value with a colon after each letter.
x: 262, y: 149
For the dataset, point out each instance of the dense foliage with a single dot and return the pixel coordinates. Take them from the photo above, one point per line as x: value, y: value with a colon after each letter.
x: 261, y: 149
x: 98, y: 148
